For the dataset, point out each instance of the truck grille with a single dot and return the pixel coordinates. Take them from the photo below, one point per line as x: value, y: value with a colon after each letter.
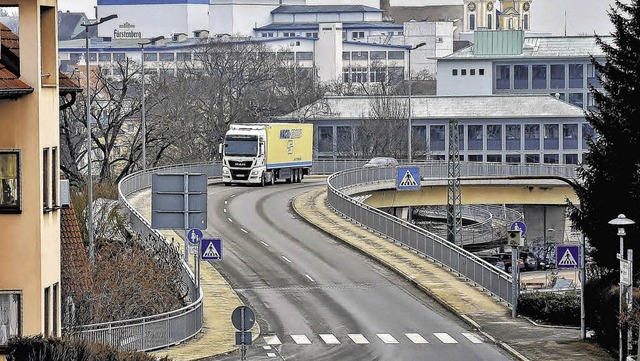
x: 240, y: 164
x: 240, y: 173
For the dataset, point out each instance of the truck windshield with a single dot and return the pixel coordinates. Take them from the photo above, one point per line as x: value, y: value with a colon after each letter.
x: 241, y: 146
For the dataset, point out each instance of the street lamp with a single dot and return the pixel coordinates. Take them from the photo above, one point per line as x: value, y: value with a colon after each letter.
x: 88, y: 116
x: 620, y: 222
x: 409, y: 117
x: 144, y: 123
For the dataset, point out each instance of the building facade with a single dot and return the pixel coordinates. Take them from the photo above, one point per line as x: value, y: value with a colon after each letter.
x: 29, y: 173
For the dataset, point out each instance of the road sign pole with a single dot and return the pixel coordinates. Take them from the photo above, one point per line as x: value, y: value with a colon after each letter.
x: 583, y: 323
x: 514, y: 282
x: 186, y: 217
x: 630, y: 300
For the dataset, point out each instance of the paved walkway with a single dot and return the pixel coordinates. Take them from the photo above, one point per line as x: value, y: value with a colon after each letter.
x: 519, y: 337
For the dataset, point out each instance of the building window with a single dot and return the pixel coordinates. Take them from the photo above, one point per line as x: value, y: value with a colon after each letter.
x: 378, y: 55
x: 525, y: 22
x: 494, y: 158
x: 472, y: 22
x: 150, y: 56
x: 520, y: 76
x: 531, y: 136
x: 10, y: 316
x: 378, y: 75
x: 551, y: 136
x: 47, y: 311
x: 489, y: 21
x: 474, y: 137
x: 346, y: 55
x: 539, y: 76
x: 344, y: 139
x: 570, y: 136
x: 437, y: 137
x: 480, y: 71
x: 345, y: 75
x: 503, y: 77
x: 591, y: 102
x: 56, y: 310
x: 419, y: 139
x: 570, y: 159
x: 288, y: 34
x: 551, y: 159
x: 183, y: 57
x: 46, y: 194
x: 513, y: 136
x: 304, y: 55
x: 513, y: 158
x: 532, y: 158
x: 55, y: 178
x: 167, y: 56
x: 396, y: 75
x: 494, y: 137
x: 475, y: 157
x: 463, y: 71
x: 592, y: 76
x: 460, y: 137
x: 360, y: 55
x: 472, y: 72
x: 557, y: 76
x: 359, y: 75
x: 576, y: 76
x: 587, y: 134
x: 357, y: 35
x: 119, y: 57
x: 576, y: 99
x: 454, y: 72
x: 285, y: 55
x: 311, y: 35
x: 396, y: 55
x: 325, y: 139
x: 104, y: 57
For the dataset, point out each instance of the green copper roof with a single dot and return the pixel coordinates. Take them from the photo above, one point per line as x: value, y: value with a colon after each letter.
x: 498, y: 42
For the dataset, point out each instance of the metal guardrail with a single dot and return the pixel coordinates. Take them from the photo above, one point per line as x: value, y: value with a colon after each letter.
x: 431, y: 245
x: 166, y: 329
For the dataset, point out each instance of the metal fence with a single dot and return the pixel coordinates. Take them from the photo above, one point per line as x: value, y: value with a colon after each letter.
x: 166, y: 329
x: 476, y: 270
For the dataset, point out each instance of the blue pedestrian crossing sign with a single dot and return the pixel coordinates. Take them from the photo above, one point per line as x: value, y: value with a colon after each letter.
x: 567, y: 257
x: 408, y: 178
x: 211, y: 250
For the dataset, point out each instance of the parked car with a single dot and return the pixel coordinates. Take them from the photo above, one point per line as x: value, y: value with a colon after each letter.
x: 506, y: 258
x: 381, y: 162
x: 531, y: 262
x: 494, y: 261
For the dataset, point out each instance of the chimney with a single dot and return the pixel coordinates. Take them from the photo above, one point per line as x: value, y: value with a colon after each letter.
x: 385, y: 5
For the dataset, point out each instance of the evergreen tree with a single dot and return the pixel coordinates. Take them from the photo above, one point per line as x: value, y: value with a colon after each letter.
x: 610, y: 173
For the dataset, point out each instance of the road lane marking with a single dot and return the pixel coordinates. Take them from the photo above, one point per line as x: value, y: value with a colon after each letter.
x: 387, y: 338
x: 243, y: 230
x: 272, y: 340
x: 309, y: 277
x: 271, y: 354
x: 301, y: 339
x: 445, y: 338
x: 286, y: 259
x: 329, y: 339
x: 472, y: 337
x: 358, y: 339
x: 416, y: 338
x: 225, y: 202
x: 264, y: 244
x: 233, y: 195
x: 225, y: 210
x: 266, y: 347
x: 230, y: 220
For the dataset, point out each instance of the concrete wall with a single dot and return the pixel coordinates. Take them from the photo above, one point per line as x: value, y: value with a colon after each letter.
x: 238, y: 18
x: 167, y: 19
x: 449, y: 84
x: 328, y: 52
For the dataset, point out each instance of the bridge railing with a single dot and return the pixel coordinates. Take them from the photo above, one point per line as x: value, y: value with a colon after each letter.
x: 166, y: 329
x: 431, y: 245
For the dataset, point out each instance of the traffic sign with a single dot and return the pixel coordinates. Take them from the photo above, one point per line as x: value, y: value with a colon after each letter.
x: 625, y: 272
x: 194, y: 235
x: 211, y: 250
x: 519, y: 226
x: 408, y: 178
x: 243, y: 338
x: 243, y: 318
x: 567, y: 256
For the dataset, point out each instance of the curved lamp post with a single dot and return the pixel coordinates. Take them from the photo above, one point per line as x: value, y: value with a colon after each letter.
x: 143, y: 111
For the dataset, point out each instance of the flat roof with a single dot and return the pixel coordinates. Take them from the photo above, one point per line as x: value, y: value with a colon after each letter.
x: 452, y: 107
x: 310, y: 9
x: 544, y: 47
x: 315, y: 26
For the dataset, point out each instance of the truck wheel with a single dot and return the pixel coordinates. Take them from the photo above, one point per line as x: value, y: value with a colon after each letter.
x: 273, y: 179
x: 226, y: 184
x: 262, y: 180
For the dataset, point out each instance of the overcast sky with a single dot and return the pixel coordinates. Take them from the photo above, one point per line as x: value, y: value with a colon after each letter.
x: 582, y: 16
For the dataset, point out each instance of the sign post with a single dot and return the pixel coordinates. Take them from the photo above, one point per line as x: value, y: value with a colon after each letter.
x: 243, y: 319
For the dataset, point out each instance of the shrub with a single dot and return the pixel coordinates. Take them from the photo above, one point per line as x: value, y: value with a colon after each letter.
x: 552, y: 308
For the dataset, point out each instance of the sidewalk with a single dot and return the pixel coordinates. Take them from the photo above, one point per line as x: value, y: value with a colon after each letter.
x: 522, y: 339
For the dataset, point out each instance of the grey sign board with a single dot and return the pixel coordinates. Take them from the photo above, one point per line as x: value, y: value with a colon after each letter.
x: 175, y: 197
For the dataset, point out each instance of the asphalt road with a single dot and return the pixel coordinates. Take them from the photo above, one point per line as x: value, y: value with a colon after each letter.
x: 317, y: 299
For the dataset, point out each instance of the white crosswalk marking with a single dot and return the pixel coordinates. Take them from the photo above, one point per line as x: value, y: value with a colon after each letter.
x: 358, y: 339
x: 472, y: 337
x: 445, y: 338
x: 266, y: 347
x: 301, y: 339
x: 329, y: 339
x: 272, y: 340
x: 271, y: 354
x: 416, y: 338
x: 387, y: 338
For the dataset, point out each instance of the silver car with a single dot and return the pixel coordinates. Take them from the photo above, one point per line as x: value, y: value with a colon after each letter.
x: 381, y: 162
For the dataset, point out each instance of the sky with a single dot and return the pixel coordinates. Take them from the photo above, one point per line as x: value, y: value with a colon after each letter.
x: 582, y: 16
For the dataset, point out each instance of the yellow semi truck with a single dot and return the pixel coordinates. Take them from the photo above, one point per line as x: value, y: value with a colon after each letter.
x: 262, y: 153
